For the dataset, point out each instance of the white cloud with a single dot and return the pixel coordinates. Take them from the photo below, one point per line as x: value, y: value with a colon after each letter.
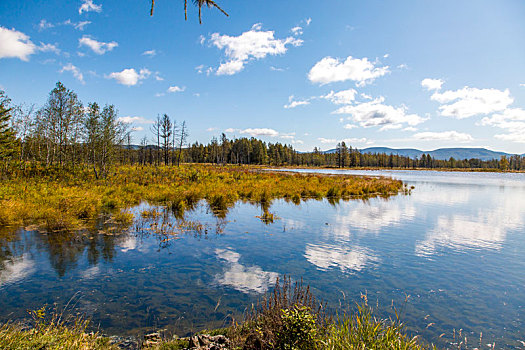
x: 443, y: 136
x: 512, y: 120
x: 308, y: 21
x: 324, y: 141
x: 293, y: 104
x: 260, y: 132
x: 375, y: 113
x: 230, y: 68
x: 49, y: 48
x: 15, y: 44
x: 348, y: 141
x: 80, y: 25
x: 432, y: 84
x: 200, y: 68
x: 289, y: 136
x: 250, y: 45
x: 522, y: 85
x: 77, y: 25
x: 44, y: 25
x: 211, y: 129
x: 402, y: 66
x: 175, y: 88
x: 150, y: 53
x: 98, y: 47
x: 467, y: 102
x: 330, y: 70
x: 76, y: 72
x: 136, y: 120
x: 129, y: 76
x: 256, y: 132
x: 349, y: 126
x: 88, y: 6
x: 342, y: 97
x: 297, y: 30
x: 276, y: 69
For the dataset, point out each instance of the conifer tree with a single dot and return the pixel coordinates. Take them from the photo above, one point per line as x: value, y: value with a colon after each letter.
x: 7, y: 135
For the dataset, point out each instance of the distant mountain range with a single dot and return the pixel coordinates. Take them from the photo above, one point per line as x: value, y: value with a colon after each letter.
x: 441, y: 153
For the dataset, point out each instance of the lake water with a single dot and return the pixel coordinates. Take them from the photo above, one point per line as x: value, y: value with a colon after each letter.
x: 455, y: 247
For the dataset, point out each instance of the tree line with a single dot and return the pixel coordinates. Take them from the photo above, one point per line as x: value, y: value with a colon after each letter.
x: 64, y: 133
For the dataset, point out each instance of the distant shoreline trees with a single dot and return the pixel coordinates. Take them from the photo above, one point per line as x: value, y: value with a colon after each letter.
x: 65, y: 134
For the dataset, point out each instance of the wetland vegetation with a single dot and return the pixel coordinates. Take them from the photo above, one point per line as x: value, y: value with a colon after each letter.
x: 71, y: 174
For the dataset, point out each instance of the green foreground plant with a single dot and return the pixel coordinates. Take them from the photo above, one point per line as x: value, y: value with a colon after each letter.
x: 292, y: 319
x: 51, y: 332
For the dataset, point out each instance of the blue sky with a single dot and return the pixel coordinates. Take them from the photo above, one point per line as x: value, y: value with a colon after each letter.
x: 423, y: 74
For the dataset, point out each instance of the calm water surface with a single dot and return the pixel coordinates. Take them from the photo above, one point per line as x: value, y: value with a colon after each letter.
x: 455, y: 248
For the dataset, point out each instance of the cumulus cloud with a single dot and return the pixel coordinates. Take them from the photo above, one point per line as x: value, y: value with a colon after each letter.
x: 98, y: 47
x: 129, y: 76
x: 250, y: 45
x: 376, y: 113
x: 341, y: 97
x: 15, y: 44
x: 74, y: 70
x: 175, y: 88
x: 88, y: 6
x: 468, y: 102
x: 296, y: 103
x: 150, y: 53
x: 135, y: 120
x: 308, y: 21
x: 349, y: 126
x: 512, y: 120
x: 432, y: 84
x: 360, y: 70
x: 443, y: 136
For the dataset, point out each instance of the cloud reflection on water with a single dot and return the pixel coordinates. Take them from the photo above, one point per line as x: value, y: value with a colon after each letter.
x: 242, y: 278
x: 17, y: 270
x: 486, y: 228
x: 347, y: 259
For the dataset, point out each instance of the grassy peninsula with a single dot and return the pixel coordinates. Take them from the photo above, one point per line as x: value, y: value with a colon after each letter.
x: 54, y: 199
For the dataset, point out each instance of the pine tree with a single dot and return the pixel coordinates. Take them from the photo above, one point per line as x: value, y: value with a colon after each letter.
x: 7, y: 135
